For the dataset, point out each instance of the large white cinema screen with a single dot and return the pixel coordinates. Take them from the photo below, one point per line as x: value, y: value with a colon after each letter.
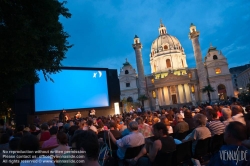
x: 72, y: 89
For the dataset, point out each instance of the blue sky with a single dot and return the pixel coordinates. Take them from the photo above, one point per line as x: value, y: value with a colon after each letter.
x: 102, y: 31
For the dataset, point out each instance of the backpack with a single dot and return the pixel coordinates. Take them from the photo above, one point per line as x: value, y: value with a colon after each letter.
x: 105, y: 155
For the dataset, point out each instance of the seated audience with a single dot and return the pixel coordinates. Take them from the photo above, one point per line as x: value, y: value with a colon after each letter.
x: 114, y: 131
x: 157, y: 151
x: 45, y: 134
x: 33, y: 130
x: 62, y: 141
x: 30, y: 143
x: 181, y: 125
x: 4, y: 142
x: 84, y: 141
x: 234, y: 135
x: 134, y: 139
x: 144, y: 129
x: 189, y: 119
x: 227, y: 116
x: 52, y: 141
x: 215, y: 126
x: 167, y: 124
x: 237, y: 114
x: 126, y: 131
x: 200, y: 132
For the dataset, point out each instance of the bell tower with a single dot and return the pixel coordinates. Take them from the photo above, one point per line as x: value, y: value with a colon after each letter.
x: 201, y: 70
x: 139, y: 62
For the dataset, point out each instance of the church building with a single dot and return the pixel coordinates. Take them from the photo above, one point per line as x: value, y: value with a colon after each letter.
x: 171, y: 83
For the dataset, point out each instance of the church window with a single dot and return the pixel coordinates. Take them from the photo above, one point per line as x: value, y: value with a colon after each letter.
x: 168, y: 63
x: 152, y: 81
x: 217, y: 71
x: 190, y: 75
x: 192, y: 89
x: 165, y: 47
x: 182, y: 63
x: 126, y: 72
x: 153, y: 94
x: 127, y: 84
x: 215, y: 57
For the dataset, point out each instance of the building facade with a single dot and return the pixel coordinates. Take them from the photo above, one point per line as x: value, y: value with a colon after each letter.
x: 171, y: 83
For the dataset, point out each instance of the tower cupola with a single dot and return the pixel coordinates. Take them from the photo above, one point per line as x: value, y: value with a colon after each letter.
x: 162, y: 29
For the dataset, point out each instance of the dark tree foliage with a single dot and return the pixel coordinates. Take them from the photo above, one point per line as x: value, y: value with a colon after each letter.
x: 31, y: 40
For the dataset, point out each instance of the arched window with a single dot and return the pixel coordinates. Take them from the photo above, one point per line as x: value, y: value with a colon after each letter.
x: 215, y: 57
x: 130, y: 99
x: 126, y: 72
x: 165, y: 47
x: 182, y: 63
x: 222, y: 92
x: 217, y: 71
x: 168, y: 63
x: 153, y: 94
x: 154, y: 69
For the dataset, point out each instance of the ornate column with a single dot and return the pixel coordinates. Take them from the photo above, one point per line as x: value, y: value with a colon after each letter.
x: 170, y: 98
x: 178, y: 96
x: 156, y: 99
x: 184, y: 93
x: 163, y: 97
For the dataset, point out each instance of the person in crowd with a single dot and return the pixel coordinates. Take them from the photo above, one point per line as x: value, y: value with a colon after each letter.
x: 144, y: 129
x: 52, y: 141
x: 33, y: 130
x: 86, y: 141
x: 217, y: 109
x: 14, y: 143
x: 126, y: 131
x: 45, y: 134
x: 71, y: 132
x: 30, y: 143
x: 90, y: 126
x: 226, y: 115
x: 181, y: 125
x: 78, y: 115
x: 215, y: 126
x: 200, y: 132
x: 62, y: 141
x: 4, y: 142
x: 167, y: 123
x: 134, y: 139
x: 234, y: 134
x: 189, y: 119
x: 114, y: 131
x: 37, y: 120
x: 156, y: 151
x: 51, y: 123
x: 9, y: 131
x: 237, y: 114
x: 247, y: 109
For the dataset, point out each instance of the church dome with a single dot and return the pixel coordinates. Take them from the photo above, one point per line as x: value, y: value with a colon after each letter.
x: 166, y: 40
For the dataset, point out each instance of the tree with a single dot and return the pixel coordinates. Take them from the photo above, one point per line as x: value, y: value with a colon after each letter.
x: 32, y: 39
x: 142, y: 98
x: 207, y: 89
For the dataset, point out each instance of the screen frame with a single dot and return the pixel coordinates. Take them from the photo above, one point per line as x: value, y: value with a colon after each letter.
x: 74, y: 109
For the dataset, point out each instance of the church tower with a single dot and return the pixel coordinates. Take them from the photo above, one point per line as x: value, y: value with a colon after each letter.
x: 139, y: 62
x: 201, y: 71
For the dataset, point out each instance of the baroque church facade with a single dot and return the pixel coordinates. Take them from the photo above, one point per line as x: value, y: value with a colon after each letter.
x: 171, y: 83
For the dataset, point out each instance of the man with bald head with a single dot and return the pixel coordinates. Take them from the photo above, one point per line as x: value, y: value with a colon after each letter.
x: 181, y: 125
x: 237, y: 114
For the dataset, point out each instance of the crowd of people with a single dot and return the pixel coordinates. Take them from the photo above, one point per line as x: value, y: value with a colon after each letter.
x: 157, y: 133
